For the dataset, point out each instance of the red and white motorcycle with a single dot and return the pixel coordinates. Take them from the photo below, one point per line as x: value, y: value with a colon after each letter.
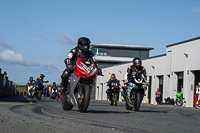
x: 80, y: 85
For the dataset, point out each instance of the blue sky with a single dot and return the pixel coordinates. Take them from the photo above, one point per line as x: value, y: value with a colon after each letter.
x: 37, y: 35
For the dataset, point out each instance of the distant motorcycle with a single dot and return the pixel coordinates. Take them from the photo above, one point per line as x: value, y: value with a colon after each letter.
x: 30, y: 91
x: 179, y: 99
x: 169, y: 101
x: 134, y: 92
x: 54, y: 93
x: 113, y: 94
x: 38, y: 90
x: 46, y: 93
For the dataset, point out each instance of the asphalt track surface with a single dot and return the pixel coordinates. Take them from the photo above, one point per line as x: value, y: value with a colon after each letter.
x: 21, y: 115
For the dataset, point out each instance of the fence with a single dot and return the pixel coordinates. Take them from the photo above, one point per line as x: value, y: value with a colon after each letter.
x: 7, y: 88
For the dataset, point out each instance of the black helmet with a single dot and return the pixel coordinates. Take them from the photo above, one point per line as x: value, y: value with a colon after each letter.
x: 31, y: 78
x: 42, y: 76
x: 137, y: 62
x: 84, y: 41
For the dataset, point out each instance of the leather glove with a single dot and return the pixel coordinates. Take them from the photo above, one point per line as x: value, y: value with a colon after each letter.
x: 74, y: 67
x: 99, y: 71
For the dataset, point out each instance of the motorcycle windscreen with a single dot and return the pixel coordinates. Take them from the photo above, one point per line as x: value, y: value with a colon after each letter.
x: 87, y: 61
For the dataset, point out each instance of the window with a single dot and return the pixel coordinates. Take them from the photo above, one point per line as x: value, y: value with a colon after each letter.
x: 101, y: 51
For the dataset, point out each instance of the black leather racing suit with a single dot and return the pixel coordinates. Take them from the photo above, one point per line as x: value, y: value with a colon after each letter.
x: 110, y: 84
x: 132, y: 70
x: 70, y: 61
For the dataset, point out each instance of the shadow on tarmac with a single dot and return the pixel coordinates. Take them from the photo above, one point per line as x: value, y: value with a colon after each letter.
x: 152, y: 111
x: 106, y: 112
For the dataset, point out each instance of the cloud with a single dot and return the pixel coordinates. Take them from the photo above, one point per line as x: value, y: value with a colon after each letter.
x: 42, y: 37
x: 11, y: 57
x: 4, y: 44
x: 196, y: 9
x: 65, y: 39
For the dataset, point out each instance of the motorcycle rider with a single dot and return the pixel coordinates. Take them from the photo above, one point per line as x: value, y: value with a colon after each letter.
x: 54, y: 88
x: 40, y: 79
x: 31, y: 81
x: 136, y: 68
x: 81, y: 50
x: 112, y: 81
x: 179, y: 94
x: 198, y: 95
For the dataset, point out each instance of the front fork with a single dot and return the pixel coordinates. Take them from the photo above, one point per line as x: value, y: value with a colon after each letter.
x: 80, y: 90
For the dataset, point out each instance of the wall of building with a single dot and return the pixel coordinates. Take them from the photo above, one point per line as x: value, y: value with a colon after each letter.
x: 180, y: 58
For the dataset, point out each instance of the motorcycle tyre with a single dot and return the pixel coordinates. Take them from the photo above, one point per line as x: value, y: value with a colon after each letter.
x: 115, y: 96
x: 82, y: 107
x: 31, y: 95
x: 56, y: 97
x: 111, y: 103
x: 65, y: 104
x: 127, y: 106
x: 179, y: 103
x: 137, y: 102
x: 39, y: 95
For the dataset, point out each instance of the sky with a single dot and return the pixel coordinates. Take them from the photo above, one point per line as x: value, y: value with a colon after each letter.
x: 37, y: 35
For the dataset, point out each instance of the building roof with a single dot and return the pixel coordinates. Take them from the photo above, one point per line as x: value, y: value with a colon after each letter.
x: 105, y: 45
x: 154, y: 56
x: 112, y: 59
x: 193, y: 39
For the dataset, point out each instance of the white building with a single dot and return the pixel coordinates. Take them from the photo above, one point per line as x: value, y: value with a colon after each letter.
x: 178, y: 69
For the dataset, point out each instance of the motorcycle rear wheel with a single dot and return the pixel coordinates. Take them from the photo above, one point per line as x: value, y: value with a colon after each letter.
x: 137, y: 102
x: 83, y: 102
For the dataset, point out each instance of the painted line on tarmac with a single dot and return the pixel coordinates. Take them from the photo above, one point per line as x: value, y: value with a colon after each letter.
x: 15, y: 103
x: 30, y: 101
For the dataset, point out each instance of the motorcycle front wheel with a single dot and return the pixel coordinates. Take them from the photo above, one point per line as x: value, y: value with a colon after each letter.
x: 83, y: 101
x: 39, y: 95
x: 115, y: 99
x: 137, y: 102
x: 128, y: 107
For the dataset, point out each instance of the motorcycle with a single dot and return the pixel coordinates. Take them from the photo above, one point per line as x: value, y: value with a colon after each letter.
x: 79, y: 85
x: 169, y: 101
x: 39, y: 90
x: 134, y: 92
x: 179, y: 99
x: 30, y: 91
x: 46, y: 93
x: 54, y: 93
x: 113, y: 95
